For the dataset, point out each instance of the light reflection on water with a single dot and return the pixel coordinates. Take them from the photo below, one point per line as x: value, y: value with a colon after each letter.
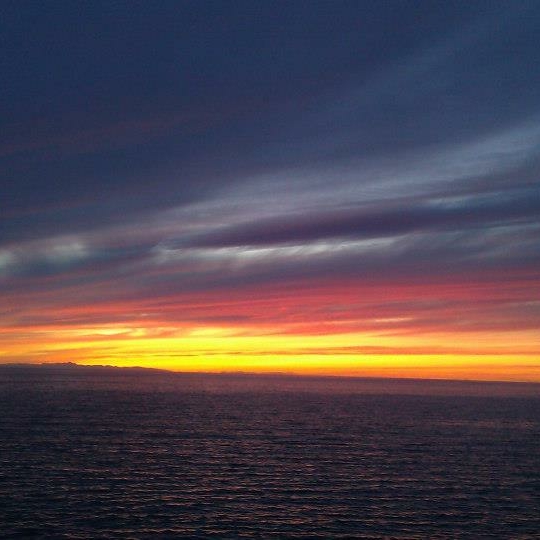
x: 140, y: 456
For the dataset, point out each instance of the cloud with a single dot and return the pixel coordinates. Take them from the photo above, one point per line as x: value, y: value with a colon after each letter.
x: 384, y: 99
x: 394, y: 219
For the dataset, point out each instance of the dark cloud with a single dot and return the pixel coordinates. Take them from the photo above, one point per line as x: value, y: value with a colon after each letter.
x: 393, y: 220
x: 111, y: 111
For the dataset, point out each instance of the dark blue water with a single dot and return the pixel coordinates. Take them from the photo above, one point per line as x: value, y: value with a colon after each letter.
x: 153, y: 456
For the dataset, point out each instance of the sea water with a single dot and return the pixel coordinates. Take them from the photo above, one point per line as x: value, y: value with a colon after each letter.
x: 136, y: 455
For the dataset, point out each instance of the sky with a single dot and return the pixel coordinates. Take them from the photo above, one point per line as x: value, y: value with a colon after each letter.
x: 330, y: 187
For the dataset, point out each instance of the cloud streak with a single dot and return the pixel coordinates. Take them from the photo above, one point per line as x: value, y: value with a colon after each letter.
x: 393, y: 220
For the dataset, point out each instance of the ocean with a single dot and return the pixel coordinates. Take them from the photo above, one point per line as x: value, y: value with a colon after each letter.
x: 103, y: 453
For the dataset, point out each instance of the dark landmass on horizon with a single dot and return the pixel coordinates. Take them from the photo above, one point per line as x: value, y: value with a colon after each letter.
x: 276, y: 381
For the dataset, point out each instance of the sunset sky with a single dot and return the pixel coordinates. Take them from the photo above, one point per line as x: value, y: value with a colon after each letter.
x: 329, y: 187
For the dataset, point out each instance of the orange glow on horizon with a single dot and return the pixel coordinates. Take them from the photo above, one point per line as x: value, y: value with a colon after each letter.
x: 468, y: 355
x: 449, y: 330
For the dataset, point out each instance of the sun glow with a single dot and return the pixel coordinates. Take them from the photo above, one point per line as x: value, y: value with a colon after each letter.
x: 475, y: 355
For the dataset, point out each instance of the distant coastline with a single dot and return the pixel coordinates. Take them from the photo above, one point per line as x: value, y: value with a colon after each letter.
x: 271, y: 381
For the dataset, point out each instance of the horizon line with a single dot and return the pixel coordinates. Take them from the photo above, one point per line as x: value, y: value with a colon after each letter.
x: 265, y: 373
